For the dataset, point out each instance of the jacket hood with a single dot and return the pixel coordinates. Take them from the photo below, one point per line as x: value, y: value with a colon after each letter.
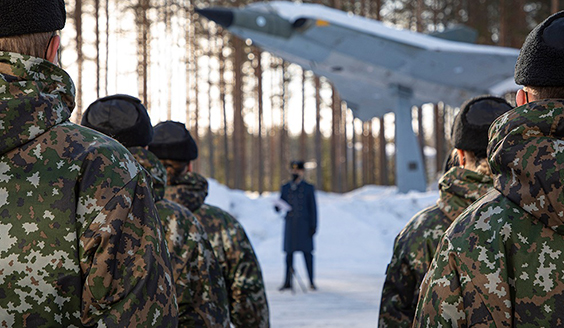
x: 36, y: 95
x: 189, y: 190
x: 526, y: 154
x: 459, y: 188
x: 156, y: 169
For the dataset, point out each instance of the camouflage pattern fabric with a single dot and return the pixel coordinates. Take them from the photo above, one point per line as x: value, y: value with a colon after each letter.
x: 415, y: 245
x: 200, y: 286
x: 243, y: 276
x: 81, y: 243
x: 501, y: 262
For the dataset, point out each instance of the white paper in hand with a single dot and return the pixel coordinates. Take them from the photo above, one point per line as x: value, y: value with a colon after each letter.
x: 282, y: 205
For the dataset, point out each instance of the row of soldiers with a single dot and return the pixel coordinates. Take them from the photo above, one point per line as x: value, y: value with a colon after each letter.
x: 490, y: 253
x: 95, y: 231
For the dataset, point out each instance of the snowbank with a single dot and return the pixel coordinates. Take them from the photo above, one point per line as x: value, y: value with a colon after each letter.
x: 353, y: 246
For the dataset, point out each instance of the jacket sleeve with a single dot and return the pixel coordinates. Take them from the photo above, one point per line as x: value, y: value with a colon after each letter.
x: 448, y: 298
x: 312, y: 209
x: 203, y: 284
x: 124, y: 260
x: 397, y: 305
x: 249, y: 306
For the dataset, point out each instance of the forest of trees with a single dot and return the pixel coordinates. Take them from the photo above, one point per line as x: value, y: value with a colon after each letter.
x: 251, y: 112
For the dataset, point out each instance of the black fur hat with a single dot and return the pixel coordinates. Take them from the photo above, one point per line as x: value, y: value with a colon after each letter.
x: 19, y: 17
x: 471, y: 125
x: 173, y: 141
x: 122, y: 117
x: 299, y: 165
x: 541, y: 61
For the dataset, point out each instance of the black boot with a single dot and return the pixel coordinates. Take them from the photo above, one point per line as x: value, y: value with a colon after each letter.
x: 285, y: 287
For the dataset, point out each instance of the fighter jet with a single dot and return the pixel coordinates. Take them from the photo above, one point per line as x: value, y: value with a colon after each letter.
x: 376, y: 68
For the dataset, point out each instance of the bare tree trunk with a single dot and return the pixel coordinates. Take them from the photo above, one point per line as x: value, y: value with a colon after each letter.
x: 106, y: 67
x: 365, y: 154
x: 168, y: 27
x: 371, y: 152
x: 188, y: 35
x: 222, y: 92
x: 554, y: 6
x: 336, y: 183
x: 354, y: 184
x: 79, y: 56
x: 421, y: 135
x: 439, y: 137
x: 260, y: 160
x: 419, y: 14
x: 283, y: 135
x: 502, y: 24
x: 345, y: 149
x: 210, y: 106
x: 238, y: 142
x: 318, y: 145
x: 97, y: 31
x: 195, y: 131
x: 272, y: 172
x: 142, y: 23
x: 382, y: 156
x: 378, y: 9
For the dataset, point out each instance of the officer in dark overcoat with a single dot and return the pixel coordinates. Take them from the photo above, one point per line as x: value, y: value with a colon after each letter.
x: 301, y: 222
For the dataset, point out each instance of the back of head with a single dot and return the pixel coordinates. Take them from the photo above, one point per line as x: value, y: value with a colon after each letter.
x: 27, y: 26
x: 121, y: 117
x: 172, y: 141
x: 471, y: 125
x: 540, y: 64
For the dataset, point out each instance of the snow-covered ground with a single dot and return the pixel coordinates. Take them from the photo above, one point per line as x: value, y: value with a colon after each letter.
x: 353, y: 245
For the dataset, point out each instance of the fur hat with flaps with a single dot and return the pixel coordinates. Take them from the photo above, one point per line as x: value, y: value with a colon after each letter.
x: 173, y: 141
x: 18, y: 17
x: 121, y: 117
x: 471, y: 125
x: 541, y: 60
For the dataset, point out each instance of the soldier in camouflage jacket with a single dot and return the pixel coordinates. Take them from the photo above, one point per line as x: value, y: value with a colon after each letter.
x: 81, y: 243
x: 501, y: 262
x: 416, y: 244
x: 200, y: 287
x: 248, y: 305
x: 232, y: 247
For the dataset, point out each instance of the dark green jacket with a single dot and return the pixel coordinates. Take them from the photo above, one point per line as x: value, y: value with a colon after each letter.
x: 416, y: 244
x: 81, y: 242
x: 200, y: 286
x: 501, y: 263
x: 241, y: 269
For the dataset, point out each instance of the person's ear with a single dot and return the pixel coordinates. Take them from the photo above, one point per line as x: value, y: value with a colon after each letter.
x: 52, y: 49
x: 461, y: 157
x: 521, y: 97
x: 188, y: 168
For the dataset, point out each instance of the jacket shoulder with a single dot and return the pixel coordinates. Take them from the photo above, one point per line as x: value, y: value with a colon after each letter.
x: 99, y: 152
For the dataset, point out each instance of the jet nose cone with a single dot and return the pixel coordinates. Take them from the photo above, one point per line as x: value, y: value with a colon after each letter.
x: 223, y: 17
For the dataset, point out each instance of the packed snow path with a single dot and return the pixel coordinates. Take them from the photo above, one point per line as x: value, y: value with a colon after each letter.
x: 353, y: 246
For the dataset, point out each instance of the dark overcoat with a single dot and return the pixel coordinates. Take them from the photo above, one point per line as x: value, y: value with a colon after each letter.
x: 301, y: 221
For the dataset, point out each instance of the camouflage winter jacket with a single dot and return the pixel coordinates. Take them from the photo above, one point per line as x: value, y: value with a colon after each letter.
x: 501, y: 262
x: 200, y: 287
x: 81, y: 242
x: 415, y: 245
x: 245, y: 286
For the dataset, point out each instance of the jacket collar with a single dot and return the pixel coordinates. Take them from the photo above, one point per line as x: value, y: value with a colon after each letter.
x: 526, y: 154
x: 35, y: 95
x: 459, y: 188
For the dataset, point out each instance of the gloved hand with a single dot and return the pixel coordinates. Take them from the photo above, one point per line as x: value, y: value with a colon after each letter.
x: 276, y: 208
